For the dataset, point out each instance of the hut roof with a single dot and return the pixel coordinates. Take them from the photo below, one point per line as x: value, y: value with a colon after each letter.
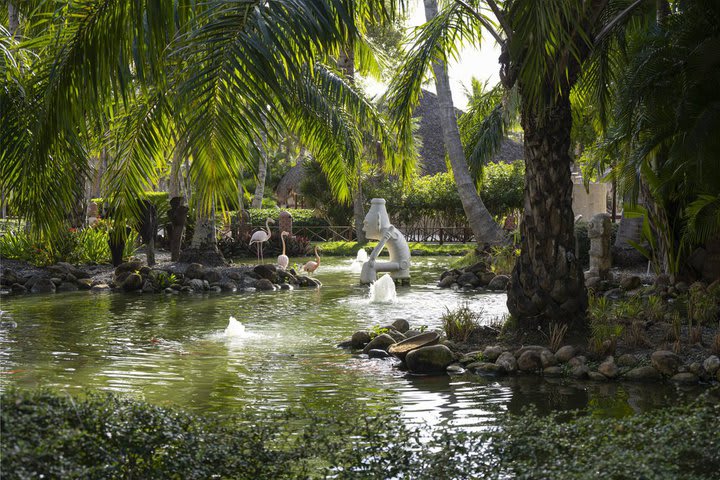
x: 290, y: 182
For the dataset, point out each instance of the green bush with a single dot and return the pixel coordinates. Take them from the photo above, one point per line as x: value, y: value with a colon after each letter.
x: 105, y: 436
x: 350, y: 249
x: 459, y: 324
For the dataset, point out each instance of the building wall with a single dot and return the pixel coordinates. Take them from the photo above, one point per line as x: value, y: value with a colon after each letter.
x: 590, y: 202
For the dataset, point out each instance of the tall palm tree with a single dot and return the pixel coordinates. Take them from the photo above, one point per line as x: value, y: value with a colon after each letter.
x: 545, y: 48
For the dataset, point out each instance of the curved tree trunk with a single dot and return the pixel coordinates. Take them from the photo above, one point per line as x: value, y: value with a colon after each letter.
x: 485, y: 229
x: 547, y: 282
x: 203, y: 247
x: 260, y: 185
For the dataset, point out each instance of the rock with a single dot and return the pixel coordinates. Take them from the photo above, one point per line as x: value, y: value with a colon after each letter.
x: 377, y: 353
x: 432, y: 359
x: 268, y: 272
x: 580, y: 372
x: 682, y: 287
x: 171, y: 291
x: 56, y: 281
x: 228, y: 286
x: 84, y: 283
x: 662, y: 281
x: 565, y: 353
x: 9, y: 277
x: 17, y: 288
x: 468, y: 278
x: 507, y: 361
x: 100, y: 287
x: 31, y: 281
x: 630, y: 283
x: 381, y: 342
x: 397, y: 336
x: 696, y: 368
x: 195, y: 285
x: 717, y: 375
x: 643, y: 374
x: 479, y: 267
x: 553, y: 372
x: 492, y: 353
x: 498, y: 283
x: 592, y: 282
x: 472, y: 357
x: 608, y: 368
x: 665, y: 362
x: 712, y: 364
x: 359, y: 339
x: 148, y: 287
x: 685, y: 378
x: 401, y: 349
x: 401, y: 325
x: 212, y: 276
x: 264, y: 285
x: 237, y: 276
x: 577, y: 361
x: 455, y: 369
x: 127, y: 267
x: 412, y: 333
x: 628, y: 360
x: 486, y: 278
x: 597, y: 377
x: 530, y: 361
x: 67, y: 287
x: 538, y: 348
x: 134, y: 281
x: 548, y: 359
x: 447, y: 281
x: 195, y: 271
x: 450, y: 273
x: 487, y: 369
x: 43, y: 285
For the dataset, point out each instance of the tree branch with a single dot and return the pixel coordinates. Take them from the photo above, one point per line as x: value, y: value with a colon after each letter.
x: 621, y: 16
x: 500, y: 17
x: 482, y: 21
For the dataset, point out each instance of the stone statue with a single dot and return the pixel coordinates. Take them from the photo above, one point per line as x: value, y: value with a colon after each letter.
x: 600, y: 261
x: 377, y: 227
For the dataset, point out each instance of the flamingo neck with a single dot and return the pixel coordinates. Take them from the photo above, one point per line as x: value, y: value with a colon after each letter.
x: 282, y: 239
x: 267, y: 226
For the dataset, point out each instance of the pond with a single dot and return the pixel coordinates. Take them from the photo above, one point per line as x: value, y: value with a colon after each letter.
x: 171, y: 350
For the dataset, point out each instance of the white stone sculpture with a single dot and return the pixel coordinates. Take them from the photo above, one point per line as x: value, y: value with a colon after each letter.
x: 377, y: 227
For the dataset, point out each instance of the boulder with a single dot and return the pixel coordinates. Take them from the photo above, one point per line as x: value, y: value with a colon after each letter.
x: 487, y: 369
x: 67, y: 287
x: 397, y: 336
x: 486, y: 278
x: 643, y: 374
x: 508, y: 362
x: 577, y: 361
x: 268, y: 272
x: 597, y: 377
x: 498, y: 283
x: 479, y: 267
x: 472, y: 357
x: 432, y: 359
x: 237, y: 276
x: 56, y: 281
x: 401, y: 325
x: 630, y: 283
x: 712, y: 364
x: 195, y: 271
x: 547, y: 358
x: 530, y: 361
x: 455, y: 369
x: 84, y: 283
x: 9, y: 277
x: 128, y: 267
x: 492, y: 353
x: 695, y: 368
x: 468, y: 278
x: 401, y: 349
x: 195, y: 285
x: 665, y: 362
x: 553, y: 371
x: 264, y: 285
x: 68, y: 269
x: 520, y: 351
x: 447, y: 282
x: 628, y: 360
x: 412, y: 333
x: 580, y: 372
x: 228, y: 286
x: 100, y: 287
x: 686, y: 378
x: 565, y: 353
x: 359, y: 339
x: 18, y: 288
x: 133, y: 281
x: 609, y: 368
x: 212, y: 276
x: 377, y: 353
x: 148, y: 287
x: 381, y: 342
x: 43, y: 285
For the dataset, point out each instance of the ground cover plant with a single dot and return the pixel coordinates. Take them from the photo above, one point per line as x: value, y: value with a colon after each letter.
x: 107, y: 436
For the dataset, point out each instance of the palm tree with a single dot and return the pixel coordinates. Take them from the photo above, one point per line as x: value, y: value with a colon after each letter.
x: 216, y: 74
x: 545, y: 48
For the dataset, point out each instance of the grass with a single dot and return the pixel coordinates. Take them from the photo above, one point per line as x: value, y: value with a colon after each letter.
x: 350, y: 249
x: 459, y: 324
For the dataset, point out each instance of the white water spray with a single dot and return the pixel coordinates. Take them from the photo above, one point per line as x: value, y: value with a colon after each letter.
x: 235, y: 328
x: 362, y: 257
x: 383, y: 290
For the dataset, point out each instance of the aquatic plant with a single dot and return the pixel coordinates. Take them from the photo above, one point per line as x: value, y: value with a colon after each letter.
x: 459, y: 324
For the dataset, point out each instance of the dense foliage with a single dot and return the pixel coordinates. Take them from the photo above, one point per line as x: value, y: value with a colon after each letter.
x: 105, y: 436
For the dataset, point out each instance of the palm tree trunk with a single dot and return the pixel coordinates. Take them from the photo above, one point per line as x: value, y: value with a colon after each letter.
x: 547, y: 283
x: 203, y: 247
x: 178, y: 204
x: 13, y: 20
x: 260, y: 185
x: 485, y: 229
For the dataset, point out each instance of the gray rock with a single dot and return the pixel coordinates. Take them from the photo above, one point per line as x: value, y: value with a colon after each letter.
x: 577, y: 361
x: 613, y: 294
x: 498, y: 283
x: 530, y: 361
x: 195, y: 271
x: 685, y: 378
x: 696, y: 368
x: 397, y: 336
x: 100, y: 287
x: 486, y: 278
x: 215, y: 289
x: 43, y: 285
x: 228, y: 286
x: 401, y: 325
x: 237, y: 276
x: 56, y: 281
x: 377, y: 353
x: 507, y: 361
x: 127, y: 267
x: 580, y: 372
x: 432, y: 359
x: 359, y: 339
x: 67, y: 287
x: 447, y: 281
x: 712, y: 364
x: 468, y: 278
x: 565, y: 353
x: 264, y: 285
x: 665, y: 362
x: 553, y: 372
x: 492, y: 353
x: 487, y: 369
x: 171, y: 291
x: 628, y: 360
x: 609, y: 368
x: 133, y: 281
x: 643, y: 374
x: 520, y: 351
x: 479, y: 267
x: 212, y: 276
x: 547, y: 358
x: 473, y: 357
x: 148, y: 287
x: 84, y: 283
x: 455, y: 369
x: 195, y: 285
x: 597, y: 377
x: 18, y: 288
x: 630, y: 283
x: 381, y: 342
x: 268, y: 272
x: 412, y: 333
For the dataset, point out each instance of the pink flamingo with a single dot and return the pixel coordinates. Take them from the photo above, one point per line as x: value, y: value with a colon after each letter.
x: 260, y: 237
x: 311, y: 266
x: 283, y: 259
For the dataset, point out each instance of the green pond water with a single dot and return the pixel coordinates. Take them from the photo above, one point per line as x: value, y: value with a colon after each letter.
x: 172, y: 350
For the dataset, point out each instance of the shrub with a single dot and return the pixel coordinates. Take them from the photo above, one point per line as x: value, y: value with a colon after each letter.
x: 460, y: 323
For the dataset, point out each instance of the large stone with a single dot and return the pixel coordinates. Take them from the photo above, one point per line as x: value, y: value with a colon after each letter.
x: 195, y: 271
x: 148, y: 287
x: 468, y: 278
x: 628, y: 360
x: 666, y: 362
x: 432, y: 359
x: 538, y: 348
x: 712, y: 364
x: 84, y: 283
x: 643, y: 374
x: 580, y: 372
x: 268, y: 272
x: 43, y: 285
x: 397, y: 336
x: 565, y: 353
x: 401, y: 325
x: 212, y: 276
x: 630, y: 283
x: 401, y: 349
x: 447, y: 282
x: 68, y: 269
x: 228, y: 286
x: 577, y: 361
x: 196, y: 285
x: 133, y: 281
x: 492, y: 353
x: 67, y: 287
x: 553, y: 372
x: 18, y: 288
x: 455, y: 369
x: 498, y: 283
x: 9, y: 277
x: 597, y: 377
x: 381, y: 342
x: 547, y: 358
x: 508, y: 362
x: 359, y: 339
x: 686, y: 378
x: 128, y: 267
x: 100, y: 288
x: 479, y: 267
x: 487, y: 369
x: 530, y: 361
x: 264, y: 285
x: 377, y: 353
x: 486, y: 278
x: 609, y: 368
